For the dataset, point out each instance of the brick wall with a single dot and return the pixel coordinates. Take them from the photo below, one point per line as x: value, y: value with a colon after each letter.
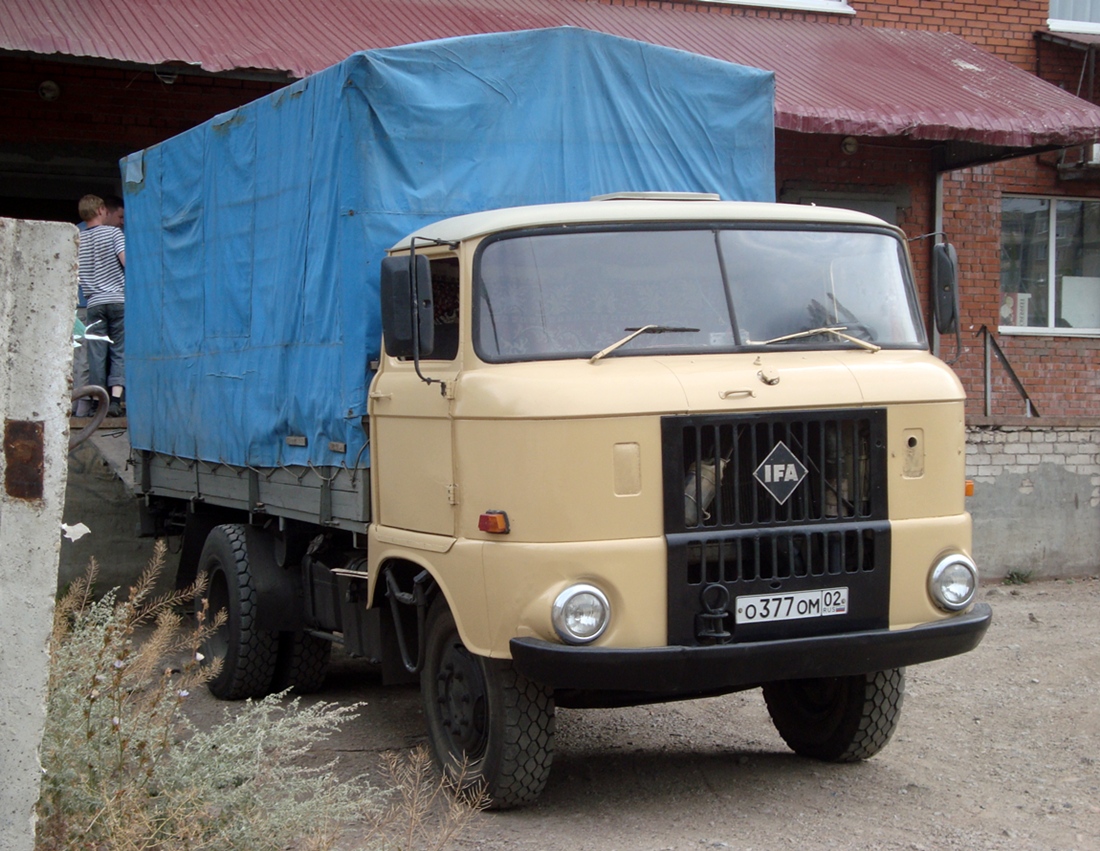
x: 1065, y: 67
x: 1023, y: 450
x: 1060, y: 374
x: 111, y: 106
x: 1005, y: 29
x: 53, y: 152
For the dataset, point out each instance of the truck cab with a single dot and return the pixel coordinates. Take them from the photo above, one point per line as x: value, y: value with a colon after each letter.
x: 642, y: 449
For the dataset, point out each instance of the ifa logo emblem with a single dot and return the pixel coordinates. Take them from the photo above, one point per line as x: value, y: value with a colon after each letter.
x: 780, y: 473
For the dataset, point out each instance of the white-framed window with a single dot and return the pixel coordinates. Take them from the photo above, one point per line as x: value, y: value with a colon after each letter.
x: 1050, y: 266
x: 1080, y: 16
x: 838, y: 7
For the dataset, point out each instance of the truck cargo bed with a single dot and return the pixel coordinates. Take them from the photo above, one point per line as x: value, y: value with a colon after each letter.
x: 335, y: 497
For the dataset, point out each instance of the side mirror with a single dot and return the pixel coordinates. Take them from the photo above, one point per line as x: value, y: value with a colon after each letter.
x: 945, y: 287
x: 406, y: 293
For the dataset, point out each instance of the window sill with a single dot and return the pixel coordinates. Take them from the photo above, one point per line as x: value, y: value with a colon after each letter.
x: 1082, y: 27
x: 1016, y: 331
x: 835, y: 7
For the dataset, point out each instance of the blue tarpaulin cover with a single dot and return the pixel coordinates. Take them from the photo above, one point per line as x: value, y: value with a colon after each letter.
x: 254, y: 240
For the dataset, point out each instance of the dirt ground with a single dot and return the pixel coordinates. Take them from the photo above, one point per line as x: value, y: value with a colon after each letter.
x: 996, y: 749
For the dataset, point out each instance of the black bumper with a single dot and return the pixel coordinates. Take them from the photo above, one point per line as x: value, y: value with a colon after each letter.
x: 698, y: 670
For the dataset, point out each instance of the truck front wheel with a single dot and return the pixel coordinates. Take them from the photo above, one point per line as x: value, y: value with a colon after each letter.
x: 247, y: 654
x: 489, y: 727
x: 837, y: 719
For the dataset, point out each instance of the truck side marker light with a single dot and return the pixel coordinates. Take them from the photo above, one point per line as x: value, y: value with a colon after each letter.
x: 970, y: 487
x: 494, y: 522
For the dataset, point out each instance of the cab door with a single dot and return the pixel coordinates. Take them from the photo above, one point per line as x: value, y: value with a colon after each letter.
x: 411, y: 422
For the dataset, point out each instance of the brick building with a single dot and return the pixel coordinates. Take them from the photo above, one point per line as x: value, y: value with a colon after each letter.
x: 875, y: 110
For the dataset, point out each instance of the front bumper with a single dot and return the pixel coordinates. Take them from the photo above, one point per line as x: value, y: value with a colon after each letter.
x: 669, y: 671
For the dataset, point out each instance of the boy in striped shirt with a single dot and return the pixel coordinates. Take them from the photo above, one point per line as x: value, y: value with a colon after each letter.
x: 103, y: 279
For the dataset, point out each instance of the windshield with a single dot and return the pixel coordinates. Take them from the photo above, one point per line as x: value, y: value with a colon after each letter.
x: 583, y: 293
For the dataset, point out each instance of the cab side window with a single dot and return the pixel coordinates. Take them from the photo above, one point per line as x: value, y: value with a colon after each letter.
x: 445, y: 295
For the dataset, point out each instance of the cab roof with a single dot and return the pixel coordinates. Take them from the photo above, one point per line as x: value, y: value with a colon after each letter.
x: 634, y: 207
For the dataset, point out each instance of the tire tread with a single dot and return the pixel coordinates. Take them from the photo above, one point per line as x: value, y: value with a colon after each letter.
x: 302, y: 663
x: 859, y: 726
x: 529, y: 739
x: 250, y: 673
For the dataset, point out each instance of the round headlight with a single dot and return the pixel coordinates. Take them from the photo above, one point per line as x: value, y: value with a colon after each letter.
x: 953, y: 582
x: 580, y: 614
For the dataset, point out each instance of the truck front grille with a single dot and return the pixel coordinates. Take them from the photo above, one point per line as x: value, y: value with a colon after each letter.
x: 774, y: 503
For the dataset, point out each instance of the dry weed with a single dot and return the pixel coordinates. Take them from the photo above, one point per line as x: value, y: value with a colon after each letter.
x: 125, y: 770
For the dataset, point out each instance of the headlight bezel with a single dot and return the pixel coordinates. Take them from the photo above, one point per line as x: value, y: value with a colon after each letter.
x: 938, y: 582
x: 559, y: 613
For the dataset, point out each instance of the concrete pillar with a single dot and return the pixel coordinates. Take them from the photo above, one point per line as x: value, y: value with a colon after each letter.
x: 38, y: 270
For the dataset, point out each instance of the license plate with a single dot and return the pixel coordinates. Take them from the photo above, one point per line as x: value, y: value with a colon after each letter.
x: 789, y: 607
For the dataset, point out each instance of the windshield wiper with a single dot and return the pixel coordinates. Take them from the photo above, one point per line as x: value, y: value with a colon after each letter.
x: 837, y: 330
x: 634, y: 332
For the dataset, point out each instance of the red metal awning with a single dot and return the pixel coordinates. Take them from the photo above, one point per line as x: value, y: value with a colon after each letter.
x: 830, y: 78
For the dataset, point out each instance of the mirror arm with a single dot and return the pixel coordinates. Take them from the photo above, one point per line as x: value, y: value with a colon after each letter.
x: 415, y: 281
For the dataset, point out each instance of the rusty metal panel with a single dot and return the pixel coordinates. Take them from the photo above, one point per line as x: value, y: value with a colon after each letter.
x: 24, y: 458
x: 842, y: 79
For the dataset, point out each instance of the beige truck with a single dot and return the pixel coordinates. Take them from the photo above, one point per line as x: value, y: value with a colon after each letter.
x: 625, y: 451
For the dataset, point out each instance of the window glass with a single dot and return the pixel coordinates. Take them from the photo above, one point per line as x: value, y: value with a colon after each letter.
x: 1077, y: 265
x: 445, y: 304
x: 788, y: 282
x: 1085, y: 11
x: 1025, y: 261
x: 1050, y: 264
x: 571, y: 295
x: 574, y: 294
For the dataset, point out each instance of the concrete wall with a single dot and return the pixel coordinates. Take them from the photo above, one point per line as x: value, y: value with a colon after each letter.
x: 38, y: 265
x: 1036, y: 502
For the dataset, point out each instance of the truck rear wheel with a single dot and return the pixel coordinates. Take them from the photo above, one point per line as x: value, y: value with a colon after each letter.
x: 248, y: 654
x: 489, y: 727
x: 837, y: 719
x: 302, y: 662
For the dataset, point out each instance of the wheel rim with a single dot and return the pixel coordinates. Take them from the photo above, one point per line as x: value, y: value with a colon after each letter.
x: 816, y: 697
x: 461, y: 700
x: 820, y: 703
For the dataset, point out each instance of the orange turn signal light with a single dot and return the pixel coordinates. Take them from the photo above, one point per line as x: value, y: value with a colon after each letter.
x: 494, y: 522
x: 970, y: 487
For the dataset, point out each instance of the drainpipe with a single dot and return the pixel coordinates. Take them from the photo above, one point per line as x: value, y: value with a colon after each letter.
x: 937, y: 227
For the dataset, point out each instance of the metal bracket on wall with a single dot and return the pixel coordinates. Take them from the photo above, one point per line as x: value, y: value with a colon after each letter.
x: 992, y: 347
